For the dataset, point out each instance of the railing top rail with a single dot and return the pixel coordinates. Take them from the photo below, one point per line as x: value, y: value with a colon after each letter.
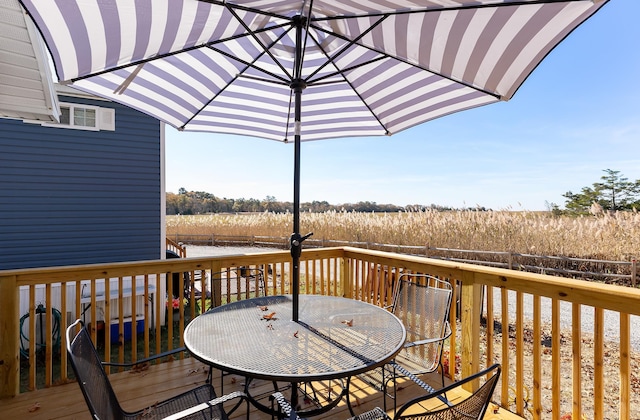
x: 618, y: 298
x: 613, y: 297
x: 27, y: 276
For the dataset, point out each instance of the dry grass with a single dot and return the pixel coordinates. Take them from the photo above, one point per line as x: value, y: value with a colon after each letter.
x: 610, y: 236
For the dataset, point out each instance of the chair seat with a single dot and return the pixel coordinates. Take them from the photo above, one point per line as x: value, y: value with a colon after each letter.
x: 375, y: 414
x: 426, y: 407
x: 180, y: 403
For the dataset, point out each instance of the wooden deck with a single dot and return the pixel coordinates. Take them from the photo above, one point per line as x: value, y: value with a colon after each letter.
x: 158, y: 382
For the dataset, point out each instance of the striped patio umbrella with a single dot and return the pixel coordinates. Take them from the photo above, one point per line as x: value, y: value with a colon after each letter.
x: 307, y: 69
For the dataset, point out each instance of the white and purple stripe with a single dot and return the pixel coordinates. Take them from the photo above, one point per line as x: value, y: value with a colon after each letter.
x: 194, y: 65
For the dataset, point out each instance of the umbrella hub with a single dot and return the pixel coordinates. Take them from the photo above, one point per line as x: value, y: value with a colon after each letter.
x: 298, y: 85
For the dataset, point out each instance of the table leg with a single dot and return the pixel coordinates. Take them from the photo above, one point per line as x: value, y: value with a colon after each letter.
x: 349, y: 397
x: 294, y: 395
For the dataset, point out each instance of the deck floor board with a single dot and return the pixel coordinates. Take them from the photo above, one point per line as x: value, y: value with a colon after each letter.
x: 144, y: 387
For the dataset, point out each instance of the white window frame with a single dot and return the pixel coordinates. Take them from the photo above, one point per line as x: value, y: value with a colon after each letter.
x: 102, y: 115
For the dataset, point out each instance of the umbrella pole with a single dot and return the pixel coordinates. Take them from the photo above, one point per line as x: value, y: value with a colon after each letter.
x: 296, y: 239
x: 297, y: 85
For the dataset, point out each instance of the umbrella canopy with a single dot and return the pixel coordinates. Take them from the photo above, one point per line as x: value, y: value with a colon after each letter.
x: 311, y: 69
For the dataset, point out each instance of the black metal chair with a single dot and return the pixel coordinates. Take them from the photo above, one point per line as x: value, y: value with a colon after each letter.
x: 471, y: 408
x: 422, y: 303
x: 284, y: 407
x: 198, y: 403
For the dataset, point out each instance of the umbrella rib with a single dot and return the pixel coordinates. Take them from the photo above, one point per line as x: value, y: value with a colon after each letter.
x: 143, y: 61
x: 252, y: 65
x: 385, y: 55
x: 228, y: 5
x: 317, y: 81
x: 247, y: 64
x: 351, y: 42
x: 256, y: 39
x: 261, y: 79
x: 239, y: 75
x: 441, y: 9
x: 345, y: 79
x: 382, y: 13
x: 307, y: 22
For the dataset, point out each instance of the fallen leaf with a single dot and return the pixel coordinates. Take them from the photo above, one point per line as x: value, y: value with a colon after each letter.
x: 139, y: 368
x: 34, y: 407
x: 263, y: 308
x: 269, y: 316
x: 295, y: 334
x: 348, y: 323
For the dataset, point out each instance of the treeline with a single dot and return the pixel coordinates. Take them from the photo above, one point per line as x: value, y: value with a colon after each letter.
x: 200, y: 202
x: 613, y: 193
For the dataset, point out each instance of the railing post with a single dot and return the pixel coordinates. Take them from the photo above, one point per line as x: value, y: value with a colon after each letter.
x: 10, y: 337
x: 634, y: 272
x: 345, y: 277
x: 216, y: 284
x: 470, y: 319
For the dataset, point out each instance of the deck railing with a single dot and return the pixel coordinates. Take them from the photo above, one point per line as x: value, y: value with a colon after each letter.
x: 528, y: 322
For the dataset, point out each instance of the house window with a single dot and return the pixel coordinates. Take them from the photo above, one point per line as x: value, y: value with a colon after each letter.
x: 85, y: 117
x: 82, y: 117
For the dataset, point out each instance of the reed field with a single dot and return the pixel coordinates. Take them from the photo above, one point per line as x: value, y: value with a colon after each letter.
x: 614, y: 236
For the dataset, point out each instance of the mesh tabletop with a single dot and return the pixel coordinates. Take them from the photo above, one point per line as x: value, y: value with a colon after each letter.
x: 335, y: 337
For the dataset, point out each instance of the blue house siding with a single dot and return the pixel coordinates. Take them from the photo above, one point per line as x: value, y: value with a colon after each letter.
x: 78, y: 197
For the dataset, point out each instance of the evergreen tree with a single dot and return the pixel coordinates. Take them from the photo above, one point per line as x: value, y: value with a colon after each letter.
x: 615, y: 192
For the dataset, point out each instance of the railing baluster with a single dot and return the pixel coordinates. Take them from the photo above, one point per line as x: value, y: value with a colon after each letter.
x: 519, y: 394
x: 598, y: 355
x: 576, y: 343
x: 625, y: 367
x: 134, y: 320
x: 63, y: 328
x: 162, y: 304
x: 537, y: 358
x: 107, y: 323
x: 120, y: 319
x: 48, y: 342
x: 490, y: 327
x: 147, y: 315
x: 556, y: 360
x: 32, y: 336
x: 506, y: 370
x: 453, y: 339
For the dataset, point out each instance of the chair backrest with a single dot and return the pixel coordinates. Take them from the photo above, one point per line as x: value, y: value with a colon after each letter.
x: 422, y: 302
x: 473, y: 407
x: 91, y: 376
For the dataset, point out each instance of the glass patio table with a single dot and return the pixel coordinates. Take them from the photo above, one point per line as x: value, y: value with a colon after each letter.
x: 334, y: 339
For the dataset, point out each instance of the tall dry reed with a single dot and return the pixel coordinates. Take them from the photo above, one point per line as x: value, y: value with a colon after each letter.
x: 608, y: 236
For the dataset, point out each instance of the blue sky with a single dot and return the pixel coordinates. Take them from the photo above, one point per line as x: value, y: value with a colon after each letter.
x: 576, y: 115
